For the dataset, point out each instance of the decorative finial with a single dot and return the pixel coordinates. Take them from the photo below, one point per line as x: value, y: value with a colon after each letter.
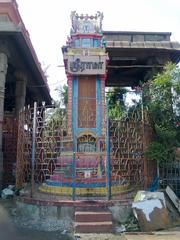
x: 88, y: 23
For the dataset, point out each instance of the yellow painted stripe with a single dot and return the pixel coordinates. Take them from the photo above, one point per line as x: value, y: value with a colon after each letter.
x: 83, y: 191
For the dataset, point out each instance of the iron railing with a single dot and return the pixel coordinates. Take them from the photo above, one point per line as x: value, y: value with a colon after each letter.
x: 76, y: 166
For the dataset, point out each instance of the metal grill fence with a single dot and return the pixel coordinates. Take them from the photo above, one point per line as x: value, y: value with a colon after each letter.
x: 9, y: 148
x: 61, y: 164
x: 170, y: 175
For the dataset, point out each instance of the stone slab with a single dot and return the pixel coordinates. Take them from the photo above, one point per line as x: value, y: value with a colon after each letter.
x: 92, y: 216
x: 173, y: 198
x: 151, y: 215
x: 93, y: 227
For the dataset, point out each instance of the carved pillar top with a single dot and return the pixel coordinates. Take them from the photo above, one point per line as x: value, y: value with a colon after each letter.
x: 20, y: 92
x: 21, y: 81
x: 21, y: 76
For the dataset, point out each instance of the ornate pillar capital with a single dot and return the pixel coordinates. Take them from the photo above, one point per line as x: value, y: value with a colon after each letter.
x: 20, y: 91
x: 21, y: 75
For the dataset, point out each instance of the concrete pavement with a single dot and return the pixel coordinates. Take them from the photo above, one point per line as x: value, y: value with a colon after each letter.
x: 154, y: 236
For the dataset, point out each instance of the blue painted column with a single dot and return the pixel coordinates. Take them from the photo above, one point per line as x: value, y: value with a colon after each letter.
x: 74, y: 132
x: 74, y: 174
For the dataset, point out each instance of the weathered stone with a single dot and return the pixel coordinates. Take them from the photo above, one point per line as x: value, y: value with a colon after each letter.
x: 89, y: 216
x: 151, y: 215
x: 6, y: 193
x: 120, y: 229
x: 44, y: 217
x: 23, y: 192
x: 120, y: 213
x: 93, y: 227
x: 146, y: 195
x: 11, y: 187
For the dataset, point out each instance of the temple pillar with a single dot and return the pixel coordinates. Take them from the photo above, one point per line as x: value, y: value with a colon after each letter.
x: 69, y: 108
x: 3, y: 72
x: 20, y: 92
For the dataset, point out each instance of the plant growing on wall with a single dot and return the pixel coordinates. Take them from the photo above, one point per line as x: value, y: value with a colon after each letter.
x: 161, y: 99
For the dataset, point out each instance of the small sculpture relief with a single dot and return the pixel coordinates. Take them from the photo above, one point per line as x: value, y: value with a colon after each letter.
x: 86, y: 23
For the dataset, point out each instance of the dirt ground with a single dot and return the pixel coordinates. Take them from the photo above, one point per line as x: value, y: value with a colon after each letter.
x: 172, y: 235
x: 10, y: 229
x: 25, y: 234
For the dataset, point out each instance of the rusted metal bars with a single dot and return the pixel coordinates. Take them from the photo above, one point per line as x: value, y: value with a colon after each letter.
x: 108, y: 163
x: 33, y: 148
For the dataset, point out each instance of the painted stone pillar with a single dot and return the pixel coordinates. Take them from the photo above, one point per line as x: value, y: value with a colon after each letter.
x: 103, y: 102
x: 69, y: 111
x: 3, y: 71
x: 20, y: 92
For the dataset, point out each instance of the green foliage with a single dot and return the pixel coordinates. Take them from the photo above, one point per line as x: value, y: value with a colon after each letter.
x: 55, y: 116
x: 157, y: 152
x: 135, y: 109
x: 116, y: 102
x: 165, y: 135
x: 63, y: 96
x: 58, y: 114
x: 161, y: 99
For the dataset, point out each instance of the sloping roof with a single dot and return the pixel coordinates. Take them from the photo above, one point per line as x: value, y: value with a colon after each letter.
x: 15, y: 26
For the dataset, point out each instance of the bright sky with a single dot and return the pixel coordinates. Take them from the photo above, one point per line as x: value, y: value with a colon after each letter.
x: 48, y: 23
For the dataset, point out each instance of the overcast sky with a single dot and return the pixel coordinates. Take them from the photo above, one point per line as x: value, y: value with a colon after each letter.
x: 48, y: 23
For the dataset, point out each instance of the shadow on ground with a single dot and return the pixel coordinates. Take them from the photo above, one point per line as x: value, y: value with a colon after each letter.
x: 9, y: 230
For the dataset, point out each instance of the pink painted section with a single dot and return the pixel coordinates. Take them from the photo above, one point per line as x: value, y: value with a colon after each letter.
x: 69, y: 108
x: 103, y: 78
x: 84, y: 162
x: 81, y: 162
